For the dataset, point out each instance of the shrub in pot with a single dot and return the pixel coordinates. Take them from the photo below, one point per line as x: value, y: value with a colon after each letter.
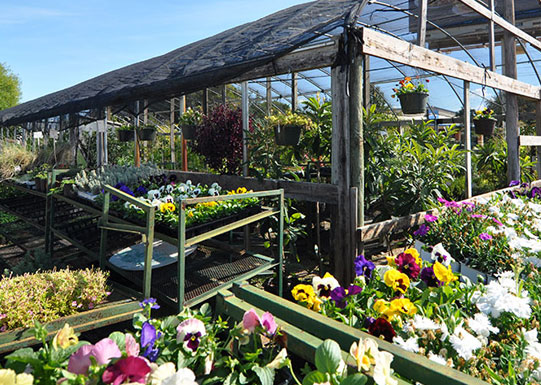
x: 484, y: 122
x: 125, y: 133
x: 288, y: 127
x: 189, y: 121
x: 147, y: 133
x: 413, y: 97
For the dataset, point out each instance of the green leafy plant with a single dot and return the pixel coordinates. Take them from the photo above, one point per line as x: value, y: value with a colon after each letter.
x: 486, y: 113
x: 289, y: 118
x: 192, y: 117
x: 125, y: 127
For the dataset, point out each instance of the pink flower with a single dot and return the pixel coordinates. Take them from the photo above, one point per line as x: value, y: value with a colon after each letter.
x: 497, y: 222
x: 250, y: 320
x: 268, y: 322
x: 132, y: 347
x: 105, y: 350
x: 431, y: 218
x: 189, y: 332
x: 130, y: 369
x: 80, y: 360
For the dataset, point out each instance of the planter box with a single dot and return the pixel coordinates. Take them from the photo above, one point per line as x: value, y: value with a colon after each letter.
x: 86, y: 195
x: 458, y: 267
x: 413, y: 103
x: 41, y: 184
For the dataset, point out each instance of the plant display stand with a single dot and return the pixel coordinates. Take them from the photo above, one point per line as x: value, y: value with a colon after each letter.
x: 306, y: 328
x: 192, y: 281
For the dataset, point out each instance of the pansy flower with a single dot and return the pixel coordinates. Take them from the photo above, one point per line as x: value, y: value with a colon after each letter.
x: 324, y: 286
x: 339, y: 295
x: 407, y: 264
x: 381, y: 328
x: 148, y: 339
x: 439, y: 254
x: 397, y: 280
x: 129, y: 369
x: 189, y: 333
x: 444, y: 274
x: 427, y: 276
x: 364, y: 267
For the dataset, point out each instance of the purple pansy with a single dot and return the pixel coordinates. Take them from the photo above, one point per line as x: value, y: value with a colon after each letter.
x: 148, y: 339
x: 429, y: 277
x: 149, y: 301
x: 363, y: 266
x: 421, y: 231
x: 339, y: 295
x: 514, y: 183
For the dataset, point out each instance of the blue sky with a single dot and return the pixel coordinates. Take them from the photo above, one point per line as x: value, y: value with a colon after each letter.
x: 54, y: 44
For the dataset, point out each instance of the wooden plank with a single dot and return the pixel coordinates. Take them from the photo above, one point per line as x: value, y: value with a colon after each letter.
x: 340, y: 175
x: 421, y: 23
x: 512, y: 130
x: 303, y: 59
x: 172, y: 131
x: 492, y: 38
x: 306, y: 191
x: 294, y: 92
x: 467, y: 139
x: 505, y: 24
x: 410, y: 365
x: 356, y: 147
x: 529, y: 140
x: 390, y: 48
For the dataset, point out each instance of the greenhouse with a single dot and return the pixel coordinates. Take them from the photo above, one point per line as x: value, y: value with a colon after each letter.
x: 341, y: 192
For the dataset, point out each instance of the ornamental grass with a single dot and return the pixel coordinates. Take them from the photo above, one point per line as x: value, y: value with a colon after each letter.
x: 46, y: 296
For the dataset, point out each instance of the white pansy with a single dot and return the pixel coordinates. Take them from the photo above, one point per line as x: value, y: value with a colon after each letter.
x: 464, y: 342
x: 382, y: 370
x: 153, y: 194
x: 411, y: 344
x: 183, y: 377
x: 160, y: 373
x: 441, y: 255
x: 324, y: 286
x: 279, y: 361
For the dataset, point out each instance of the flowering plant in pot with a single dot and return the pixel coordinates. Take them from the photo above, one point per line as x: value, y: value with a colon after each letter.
x: 484, y: 122
x: 413, y: 97
x: 288, y: 127
x: 189, y: 121
x: 125, y: 133
x: 147, y: 132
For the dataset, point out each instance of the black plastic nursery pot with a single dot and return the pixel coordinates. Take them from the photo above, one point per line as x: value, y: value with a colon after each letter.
x: 41, y: 184
x: 189, y: 131
x: 484, y: 126
x: 413, y: 103
x: 287, y: 135
x: 126, y: 135
x: 148, y: 134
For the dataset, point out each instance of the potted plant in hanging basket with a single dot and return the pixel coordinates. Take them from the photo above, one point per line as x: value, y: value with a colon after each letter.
x: 484, y: 122
x: 413, y: 97
x: 288, y: 127
x: 125, y: 133
x: 147, y: 132
x: 189, y: 121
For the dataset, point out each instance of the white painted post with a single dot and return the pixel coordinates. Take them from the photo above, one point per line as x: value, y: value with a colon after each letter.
x: 467, y: 138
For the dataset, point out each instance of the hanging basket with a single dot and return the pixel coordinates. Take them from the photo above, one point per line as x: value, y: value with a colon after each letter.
x: 413, y: 103
x: 484, y: 126
x: 147, y: 134
x: 126, y: 135
x: 287, y: 135
x: 189, y: 131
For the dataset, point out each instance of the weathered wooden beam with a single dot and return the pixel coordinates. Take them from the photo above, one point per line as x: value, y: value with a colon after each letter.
x: 421, y: 23
x: 294, y: 91
x: 305, y: 191
x: 512, y: 130
x: 492, y: 38
x: 268, y: 88
x: 303, y: 59
x: 393, y: 49
x: 467, y: 139
x: 505, y: 24
x: 356, y: 147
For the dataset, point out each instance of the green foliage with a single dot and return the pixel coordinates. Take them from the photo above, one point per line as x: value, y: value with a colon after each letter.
x: 192, y: 117
x: 49, y: 295
x: 10, y: 88
x: 406, y: 86
x: 406, y: 172
x: 32, y: 261
x: 14, y: 158
x: 289, y: 118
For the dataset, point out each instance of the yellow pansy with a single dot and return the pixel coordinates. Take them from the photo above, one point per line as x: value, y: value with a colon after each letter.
x: 415, y: 254
x: 444, y: 274
x: 390, y: 261
x: 207, y: 204
x: 404, y: 306
x: 65, y: 338
x: 314, y: 303
x: 302, y: 292
x: 397, y: 280
x: 167, y: 207
x: 242, y: 190
x: 381, y: 306
x: 9, y: 377
x: 190, y: 214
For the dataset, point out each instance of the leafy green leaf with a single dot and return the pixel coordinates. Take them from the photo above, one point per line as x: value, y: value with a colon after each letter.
x: 265, y: 375
x: 315, y: 377
x: 355, y: 379
x: 120, y: 339
x: 328, y: 356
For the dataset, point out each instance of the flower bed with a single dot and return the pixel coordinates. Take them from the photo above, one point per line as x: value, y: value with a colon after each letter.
x: 50, y: 295
x: 487, y: 331
x: 192, y: 348
x: 490, y: 235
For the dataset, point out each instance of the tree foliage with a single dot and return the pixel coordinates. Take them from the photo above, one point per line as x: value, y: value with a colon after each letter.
x: 10, y: 87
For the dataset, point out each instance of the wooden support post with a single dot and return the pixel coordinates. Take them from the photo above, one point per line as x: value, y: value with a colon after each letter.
x: 182, y: 110
x: 108, y: 116
x: 269, y: 96
x: 73, y: 120
x: 245, y: 130
x: 467, y: 138
x: 511, y: 102
x: 224, y: 94
x: 421, y: 23
x: 538, y: 132
x: 294, y: 92
x: 340, y: 176
x: 491, y: 39
x: 366, y: 82
x: 172, y: 132
x: 146, y: 144
x: 356, y: 146
x: 205, y: 101
x: 137, y: 156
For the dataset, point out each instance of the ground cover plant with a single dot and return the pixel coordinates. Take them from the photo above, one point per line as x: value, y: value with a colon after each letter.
x: 487, y: 331
x: 191, y: 348
x: 46, y: 296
